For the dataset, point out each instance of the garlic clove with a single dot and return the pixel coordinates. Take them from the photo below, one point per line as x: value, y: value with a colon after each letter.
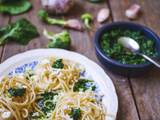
x: 132, y: 12
x: 73, y: 23
x: 103, y: 15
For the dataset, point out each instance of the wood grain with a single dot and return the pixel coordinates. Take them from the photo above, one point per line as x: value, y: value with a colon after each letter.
x: 141, y: 103
x: 146, y: 87
x: 127, y: 109
x: 4, y: 20
x: 82, y: 42
x: 39, y: 42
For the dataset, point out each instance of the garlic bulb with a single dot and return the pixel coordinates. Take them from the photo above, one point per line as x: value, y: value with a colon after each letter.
x: 57, y: 6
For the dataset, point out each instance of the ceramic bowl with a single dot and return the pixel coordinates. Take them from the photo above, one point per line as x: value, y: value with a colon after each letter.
x: 117, y: 67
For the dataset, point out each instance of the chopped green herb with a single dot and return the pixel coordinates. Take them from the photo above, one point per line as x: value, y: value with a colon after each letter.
x: 27, y: 78
x: 47, y: 96
x: 4, y: 92
x: 75, y: 113
x: 50, y: 106
x: 30, y: 74
x: 81, y: 85
x: 94, y: 88
x: 17, y: 92
x: 112, y: 49
x: 33, y: 116
x: 58, y: 64
x: 47, y: 102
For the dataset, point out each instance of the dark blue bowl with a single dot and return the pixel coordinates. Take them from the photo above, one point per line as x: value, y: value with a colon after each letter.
x: 117, y: 67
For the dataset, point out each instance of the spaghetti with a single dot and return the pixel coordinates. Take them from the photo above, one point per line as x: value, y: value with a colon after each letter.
x: 17, y: 95
x: 54, y: 79
x: 91, y: 108
x: 48, y: 93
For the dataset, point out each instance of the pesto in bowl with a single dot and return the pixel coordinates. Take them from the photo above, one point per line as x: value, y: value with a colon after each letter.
x: 112, y: 49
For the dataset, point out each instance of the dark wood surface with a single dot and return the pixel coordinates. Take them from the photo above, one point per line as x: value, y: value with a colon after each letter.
x: 138, y: 97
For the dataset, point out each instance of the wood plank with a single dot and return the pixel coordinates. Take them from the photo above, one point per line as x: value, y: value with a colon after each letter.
x: 148, y: 16
x: 39, y: 42
x: 146, y: 87
x: 4, y: 20
x: 83, y: 43
x: 127, y: 109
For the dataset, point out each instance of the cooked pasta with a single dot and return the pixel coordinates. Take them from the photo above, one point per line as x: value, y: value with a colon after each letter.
x: 53, y: 91
x: 17, y: 95
x: 91, y: 108
x: 55, y: 79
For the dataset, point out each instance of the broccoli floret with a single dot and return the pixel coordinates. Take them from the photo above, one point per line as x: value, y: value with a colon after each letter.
x: 59, y: 40
x: 81, y: 85
x: 75, y: 113
x: 58, y: 64
x: 17, y: 91
x: 71, y: 23
x: 44, y: 16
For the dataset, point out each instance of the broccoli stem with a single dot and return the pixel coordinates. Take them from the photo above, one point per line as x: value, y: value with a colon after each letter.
x: 72, y: 23
x: 2, y: 40
x: 86, y: 22
x: 55, y: 21
x: 86, y: 18
x: 94, y: 0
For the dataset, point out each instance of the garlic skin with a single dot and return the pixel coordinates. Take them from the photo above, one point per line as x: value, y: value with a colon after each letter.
x: 132, y: 12
x: 57, y: 6
x: 103, y: 15
x: 73, y: 23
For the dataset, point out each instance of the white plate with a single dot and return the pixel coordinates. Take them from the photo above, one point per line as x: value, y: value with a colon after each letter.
x: 19, y: 62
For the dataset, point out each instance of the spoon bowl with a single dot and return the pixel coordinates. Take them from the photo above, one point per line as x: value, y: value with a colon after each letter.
x: 129, y: 43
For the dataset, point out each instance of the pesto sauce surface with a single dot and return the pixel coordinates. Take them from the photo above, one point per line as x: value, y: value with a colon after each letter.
x: 112, y: 49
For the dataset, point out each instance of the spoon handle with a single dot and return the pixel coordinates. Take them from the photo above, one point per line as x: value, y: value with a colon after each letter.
x: 155, y: 62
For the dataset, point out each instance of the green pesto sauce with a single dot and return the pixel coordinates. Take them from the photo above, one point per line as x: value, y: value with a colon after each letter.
x: 46, y: 103
x: 112, y: 49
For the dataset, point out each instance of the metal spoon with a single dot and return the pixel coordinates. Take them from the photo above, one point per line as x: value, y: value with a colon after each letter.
x: 135, y: 48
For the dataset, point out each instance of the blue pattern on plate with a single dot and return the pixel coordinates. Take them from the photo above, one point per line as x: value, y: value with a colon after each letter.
x: 33, y: 64
x: 22, y: 69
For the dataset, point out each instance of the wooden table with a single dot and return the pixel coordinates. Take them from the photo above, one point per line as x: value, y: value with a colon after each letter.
x: 139, y: 97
